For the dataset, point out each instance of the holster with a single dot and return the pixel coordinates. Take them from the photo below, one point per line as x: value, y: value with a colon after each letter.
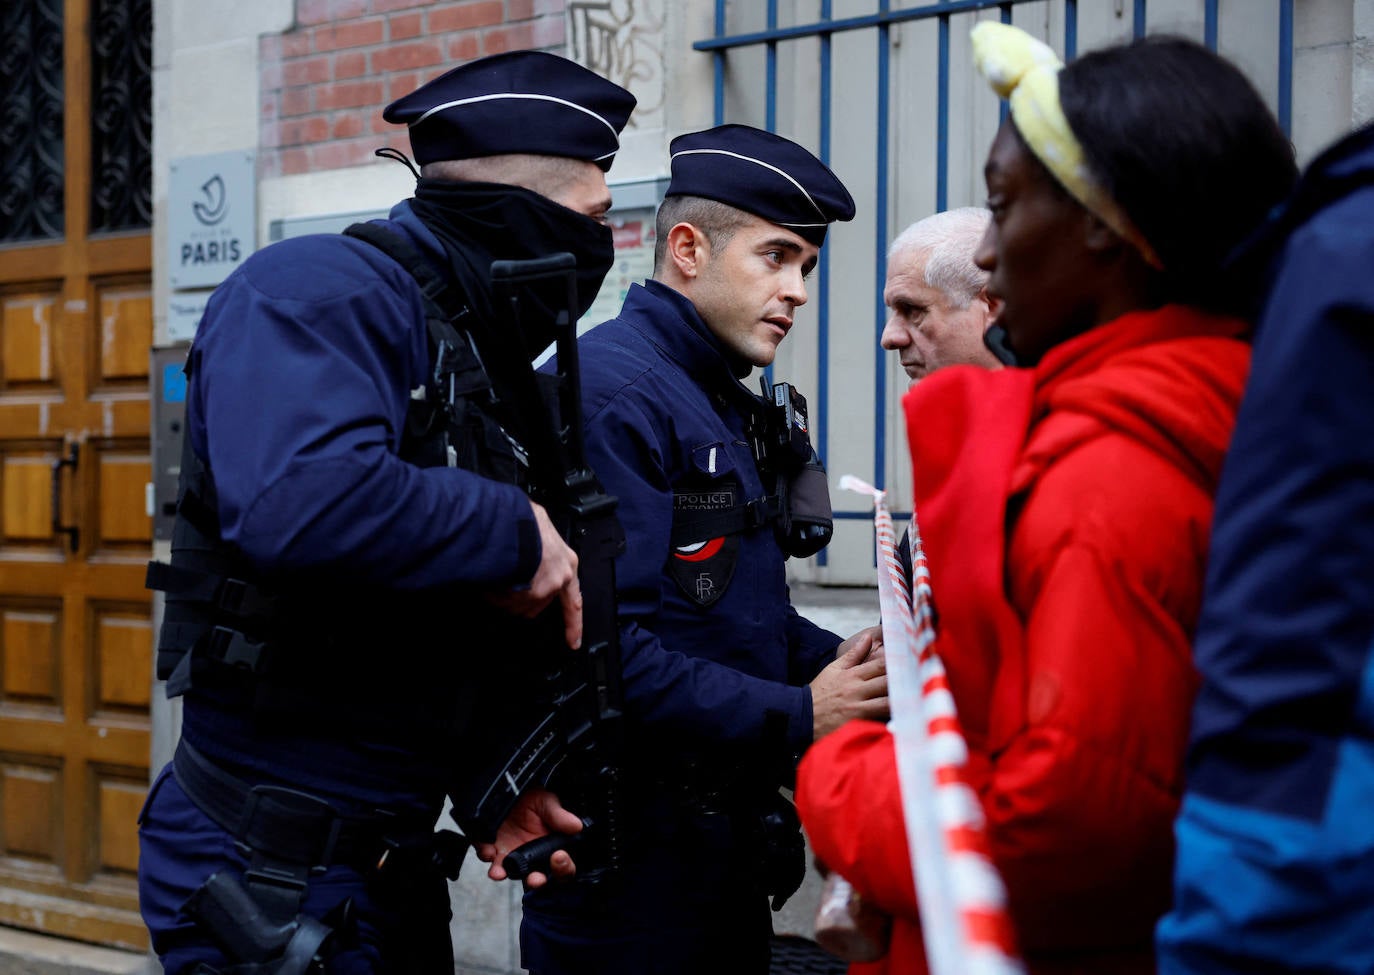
x: 781, y: 849
x: 288, y: 837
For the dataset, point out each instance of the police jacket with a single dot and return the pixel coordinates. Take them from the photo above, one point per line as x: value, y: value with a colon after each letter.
x: 301, y: 380
x: 1275, y: 868
x: 715, y: 657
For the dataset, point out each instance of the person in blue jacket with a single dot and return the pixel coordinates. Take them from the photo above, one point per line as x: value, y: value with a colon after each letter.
x: 725, y: 683
x: 1275, y: 862
x: 359, y: 575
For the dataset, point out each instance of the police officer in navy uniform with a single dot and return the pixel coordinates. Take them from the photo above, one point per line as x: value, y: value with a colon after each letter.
x: 358, y: 569
x: 725, y: 684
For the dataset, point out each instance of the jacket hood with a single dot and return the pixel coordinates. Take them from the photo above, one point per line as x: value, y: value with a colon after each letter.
x: 1170, y: 379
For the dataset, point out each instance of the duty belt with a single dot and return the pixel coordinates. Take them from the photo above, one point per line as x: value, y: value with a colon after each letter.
x: 696, y: 789
x: 279, y: 823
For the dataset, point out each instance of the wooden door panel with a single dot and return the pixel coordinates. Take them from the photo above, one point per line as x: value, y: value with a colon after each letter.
x: 26, y: 483
x: 30, y: 651
x: 32, y: 798
x: 122, y: 520
x: 119, y: 794
x: 123, y: 641
x: 125, y: 314
x: 27, y: 339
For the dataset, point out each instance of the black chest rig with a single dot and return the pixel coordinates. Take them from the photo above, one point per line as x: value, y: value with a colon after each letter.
x: 456, y: 417
x: 297, y: 649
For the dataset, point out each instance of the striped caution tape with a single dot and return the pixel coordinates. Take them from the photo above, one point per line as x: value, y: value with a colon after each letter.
x: 962, y: 899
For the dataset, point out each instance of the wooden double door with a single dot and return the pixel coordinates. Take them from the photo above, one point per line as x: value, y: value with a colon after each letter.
x: 75, y: 533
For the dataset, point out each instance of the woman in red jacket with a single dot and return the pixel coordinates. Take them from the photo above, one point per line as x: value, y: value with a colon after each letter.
x: 1065, y: 506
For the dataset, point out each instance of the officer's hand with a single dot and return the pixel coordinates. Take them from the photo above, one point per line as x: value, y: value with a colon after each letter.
x: 537, y: 813
x: 555, y: 577
x: 876, y: 651
x: 854, y: 686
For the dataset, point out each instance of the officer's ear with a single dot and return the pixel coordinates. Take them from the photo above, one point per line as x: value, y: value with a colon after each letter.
x: 688, y: 250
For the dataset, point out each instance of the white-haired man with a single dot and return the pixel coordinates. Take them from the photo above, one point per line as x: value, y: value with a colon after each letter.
x: 937, y: 297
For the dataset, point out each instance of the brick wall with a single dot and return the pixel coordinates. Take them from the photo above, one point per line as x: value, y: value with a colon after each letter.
x: 325, y: 81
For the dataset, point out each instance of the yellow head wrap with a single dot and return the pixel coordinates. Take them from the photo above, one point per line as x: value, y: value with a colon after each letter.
x: 1025, y: 71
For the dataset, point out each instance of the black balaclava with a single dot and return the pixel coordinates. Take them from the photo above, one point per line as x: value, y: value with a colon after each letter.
x: 483, y: 222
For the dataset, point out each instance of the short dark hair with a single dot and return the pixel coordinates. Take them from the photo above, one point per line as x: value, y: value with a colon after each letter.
x: 546, y: 175
x: 1182, y: 141
x: 718, y: 221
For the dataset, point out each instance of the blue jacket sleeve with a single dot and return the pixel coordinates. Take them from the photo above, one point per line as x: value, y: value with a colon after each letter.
x: 1275, y: 868
x: 666, y: 690
x: 812, y: 647
x: 300, y: 382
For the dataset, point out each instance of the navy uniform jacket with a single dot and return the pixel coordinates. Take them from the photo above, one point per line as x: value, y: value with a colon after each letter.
x: 1276, y: 835
x: 714, y: 667
x: 300, y: 379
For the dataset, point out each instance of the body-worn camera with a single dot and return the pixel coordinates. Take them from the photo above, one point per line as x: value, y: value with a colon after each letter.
x: 787, y: 425
x: 782, y: 446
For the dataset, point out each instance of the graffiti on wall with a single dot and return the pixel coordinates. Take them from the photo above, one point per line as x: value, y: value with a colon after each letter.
x: 622, y: 40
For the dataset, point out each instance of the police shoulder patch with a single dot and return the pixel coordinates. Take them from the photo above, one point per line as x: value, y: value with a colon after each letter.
x: 702, y: 567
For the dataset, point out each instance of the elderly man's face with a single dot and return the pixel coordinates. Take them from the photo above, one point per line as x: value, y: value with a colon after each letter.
x: 924, y: 327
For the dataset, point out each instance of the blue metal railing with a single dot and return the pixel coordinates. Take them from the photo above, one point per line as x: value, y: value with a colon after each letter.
x: 881, y: 21
x: 719, y: 59
x: 822, y: 424
x: 828, y: 25
x: 771, y: 112
x: 1286, y: 65
x: 880, y: 258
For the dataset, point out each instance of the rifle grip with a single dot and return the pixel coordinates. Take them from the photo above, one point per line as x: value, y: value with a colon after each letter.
x: 534, y: 856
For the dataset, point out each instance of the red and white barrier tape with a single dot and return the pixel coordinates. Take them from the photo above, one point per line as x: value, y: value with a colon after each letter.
x: 962, y: 900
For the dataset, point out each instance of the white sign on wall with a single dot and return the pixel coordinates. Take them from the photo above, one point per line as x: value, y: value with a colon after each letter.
x: 184, y: 311
x: 211, y: 217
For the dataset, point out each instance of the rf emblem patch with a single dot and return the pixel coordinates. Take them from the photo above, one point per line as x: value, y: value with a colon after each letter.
x: 702, y: 569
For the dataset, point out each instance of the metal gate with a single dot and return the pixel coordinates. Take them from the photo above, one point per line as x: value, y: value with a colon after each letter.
x: 847, y: 78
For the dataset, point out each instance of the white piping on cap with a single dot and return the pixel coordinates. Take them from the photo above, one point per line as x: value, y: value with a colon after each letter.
x: 760, y: 162
x: 525, y: 95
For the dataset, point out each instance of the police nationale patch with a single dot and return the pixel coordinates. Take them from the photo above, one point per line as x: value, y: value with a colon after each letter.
x: 703, y: 569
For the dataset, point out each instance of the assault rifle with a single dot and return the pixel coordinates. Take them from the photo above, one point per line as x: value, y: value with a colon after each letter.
x: 579, y: 735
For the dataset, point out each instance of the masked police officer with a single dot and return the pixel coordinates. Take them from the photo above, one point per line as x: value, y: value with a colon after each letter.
x: 725, y: 684
x: 358, y: 565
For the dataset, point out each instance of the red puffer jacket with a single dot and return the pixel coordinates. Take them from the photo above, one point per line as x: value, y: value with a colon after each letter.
x: 1065, y: 512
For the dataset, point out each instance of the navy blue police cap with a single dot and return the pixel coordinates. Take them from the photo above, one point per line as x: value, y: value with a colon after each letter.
x: 519, y: 102
x: 760, y: 173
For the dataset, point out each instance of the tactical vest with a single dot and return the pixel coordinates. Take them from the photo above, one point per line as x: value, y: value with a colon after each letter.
x: 300, y: 649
